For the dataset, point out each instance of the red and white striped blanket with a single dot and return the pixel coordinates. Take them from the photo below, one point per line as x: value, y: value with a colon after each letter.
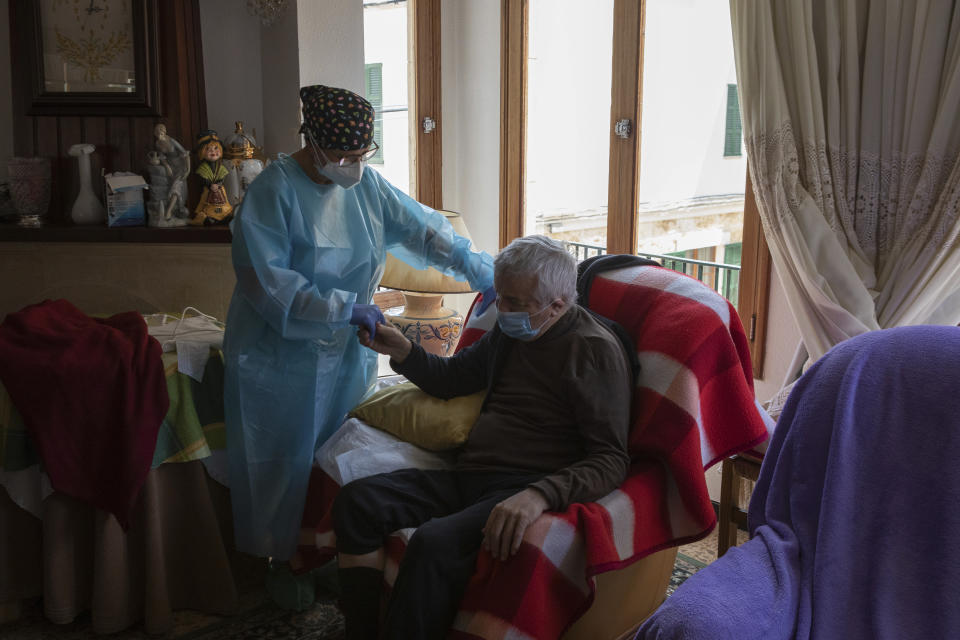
x: 693, y: 405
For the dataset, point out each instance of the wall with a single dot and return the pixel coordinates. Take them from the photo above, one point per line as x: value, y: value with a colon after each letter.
x: 331, y: 43
x: 783, y: 336
x: 6, y: 97
x: 470, y: 50
x: 312, y: 43
x: 232, y: 73
x: 280, y: 68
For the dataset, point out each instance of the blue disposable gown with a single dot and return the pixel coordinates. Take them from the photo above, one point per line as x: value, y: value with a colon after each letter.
x: 304, y: 253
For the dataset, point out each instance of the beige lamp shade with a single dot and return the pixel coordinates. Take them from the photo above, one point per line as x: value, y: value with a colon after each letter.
x: 399, y: 275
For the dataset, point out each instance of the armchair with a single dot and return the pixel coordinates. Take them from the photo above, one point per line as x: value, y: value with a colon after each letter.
x: 693, y: 405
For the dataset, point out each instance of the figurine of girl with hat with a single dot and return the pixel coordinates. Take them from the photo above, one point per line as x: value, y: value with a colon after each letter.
x: 213, y: 207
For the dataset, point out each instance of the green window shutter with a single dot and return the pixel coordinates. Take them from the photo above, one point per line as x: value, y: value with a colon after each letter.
x: 733, y: 138
x: 373, y: 79
x: 675, y: 264
x: 731, y: 279
x: 732, y: 253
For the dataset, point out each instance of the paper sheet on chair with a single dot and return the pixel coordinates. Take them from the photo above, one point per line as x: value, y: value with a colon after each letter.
x: 358, y: 450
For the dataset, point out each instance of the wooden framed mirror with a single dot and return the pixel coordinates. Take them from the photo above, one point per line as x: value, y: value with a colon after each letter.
x: 88, y: 57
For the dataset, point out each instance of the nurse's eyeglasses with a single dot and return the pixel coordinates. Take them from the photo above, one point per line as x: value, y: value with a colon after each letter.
x: 366, y: 156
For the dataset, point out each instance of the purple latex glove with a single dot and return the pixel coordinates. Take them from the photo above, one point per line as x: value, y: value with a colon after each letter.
x: 488, y: 298
x: 367, y: 316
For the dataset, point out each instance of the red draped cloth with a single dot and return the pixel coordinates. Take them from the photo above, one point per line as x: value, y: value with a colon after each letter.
x: 92, y: 394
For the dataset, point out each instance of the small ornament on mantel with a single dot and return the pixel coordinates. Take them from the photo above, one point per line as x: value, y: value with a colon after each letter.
x: 214, y: 207
x: 175, y: 161
x: 87, y: 208
x: 161, y: 199
x: 244, y: 161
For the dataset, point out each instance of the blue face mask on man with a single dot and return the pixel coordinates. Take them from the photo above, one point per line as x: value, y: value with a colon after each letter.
x: 516, y: 324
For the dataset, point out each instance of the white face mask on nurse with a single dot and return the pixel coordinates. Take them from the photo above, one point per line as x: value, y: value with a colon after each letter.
x: 344, y: 168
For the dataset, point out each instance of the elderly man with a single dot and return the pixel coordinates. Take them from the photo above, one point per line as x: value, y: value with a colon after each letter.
x: 552, y: 431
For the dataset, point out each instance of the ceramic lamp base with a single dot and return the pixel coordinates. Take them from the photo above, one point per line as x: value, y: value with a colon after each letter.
x: 425, y: 321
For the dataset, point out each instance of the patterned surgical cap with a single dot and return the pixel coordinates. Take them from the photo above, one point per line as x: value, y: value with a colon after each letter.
x: 337, y: 118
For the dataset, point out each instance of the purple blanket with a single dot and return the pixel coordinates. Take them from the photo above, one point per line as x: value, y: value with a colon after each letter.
x: 855, y: 520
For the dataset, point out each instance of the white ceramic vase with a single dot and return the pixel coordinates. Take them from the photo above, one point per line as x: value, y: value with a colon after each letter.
x: 87, y: 208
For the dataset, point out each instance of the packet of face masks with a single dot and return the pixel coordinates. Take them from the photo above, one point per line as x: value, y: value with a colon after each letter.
x: 191, y: 336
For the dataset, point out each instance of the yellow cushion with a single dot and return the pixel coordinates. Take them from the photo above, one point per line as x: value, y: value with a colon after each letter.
x: 418, y: 418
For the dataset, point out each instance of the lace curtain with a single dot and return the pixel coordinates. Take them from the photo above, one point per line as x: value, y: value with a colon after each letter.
x: 850, y: 115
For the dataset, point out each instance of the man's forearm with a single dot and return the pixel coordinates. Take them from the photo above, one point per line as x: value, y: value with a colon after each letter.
x: 442, y: 377
x: 585, y: 481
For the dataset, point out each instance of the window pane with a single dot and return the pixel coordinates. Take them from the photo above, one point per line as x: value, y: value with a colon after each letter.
x: 387, y: 86
x: 570, y: 48
x: 692, y: 171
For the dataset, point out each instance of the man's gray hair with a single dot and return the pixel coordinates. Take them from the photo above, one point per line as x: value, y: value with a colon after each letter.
x: 545, y: 258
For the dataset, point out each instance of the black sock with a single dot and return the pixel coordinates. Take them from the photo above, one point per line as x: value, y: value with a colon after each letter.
x: 360, y: 589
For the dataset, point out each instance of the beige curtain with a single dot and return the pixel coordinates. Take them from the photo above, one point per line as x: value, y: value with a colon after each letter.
x: 850, y: 115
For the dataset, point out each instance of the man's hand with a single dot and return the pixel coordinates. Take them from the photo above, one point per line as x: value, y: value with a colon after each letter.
x: 509, y: 519
x: 388, y: 340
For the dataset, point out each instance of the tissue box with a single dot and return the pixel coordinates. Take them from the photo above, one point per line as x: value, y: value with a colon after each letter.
x: 125, y: 199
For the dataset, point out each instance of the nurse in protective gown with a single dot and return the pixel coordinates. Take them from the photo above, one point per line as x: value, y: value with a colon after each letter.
x: 309, y: 245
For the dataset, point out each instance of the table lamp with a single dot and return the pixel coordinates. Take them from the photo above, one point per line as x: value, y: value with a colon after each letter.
x: 423, y: 319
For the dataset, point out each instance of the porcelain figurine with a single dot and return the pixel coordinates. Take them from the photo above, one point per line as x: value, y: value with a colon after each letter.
x: 244, y: 161
x: 159, y: 213
x: 214, y: 207
x: 176, y: 163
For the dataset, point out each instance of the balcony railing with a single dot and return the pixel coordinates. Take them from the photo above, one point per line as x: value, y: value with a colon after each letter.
x: 724, y: 278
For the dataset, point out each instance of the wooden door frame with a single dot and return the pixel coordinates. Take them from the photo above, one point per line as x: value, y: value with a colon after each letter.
x: 427, y: 101
x: 626, y: 89
x: 754, y: 301
x: 514, y: 32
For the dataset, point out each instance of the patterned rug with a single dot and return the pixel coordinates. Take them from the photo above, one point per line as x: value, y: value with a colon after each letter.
x: 261, y: 618
x: 684, y: 567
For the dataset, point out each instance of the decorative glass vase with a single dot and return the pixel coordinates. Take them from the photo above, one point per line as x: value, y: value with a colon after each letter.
x: 30, y: 188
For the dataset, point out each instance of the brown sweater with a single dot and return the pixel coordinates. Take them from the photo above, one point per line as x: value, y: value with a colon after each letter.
x: 558, y: 405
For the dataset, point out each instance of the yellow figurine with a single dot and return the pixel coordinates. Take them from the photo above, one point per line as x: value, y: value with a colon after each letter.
x: 214, y: 207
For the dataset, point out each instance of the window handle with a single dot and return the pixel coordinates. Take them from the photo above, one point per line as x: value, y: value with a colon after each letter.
x: 622, y: 129
x: 429, y: 124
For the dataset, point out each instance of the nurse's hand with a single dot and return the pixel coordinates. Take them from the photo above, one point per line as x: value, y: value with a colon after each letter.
x: 489, y: 297
x: 388, y: 341
x: 367, y: 316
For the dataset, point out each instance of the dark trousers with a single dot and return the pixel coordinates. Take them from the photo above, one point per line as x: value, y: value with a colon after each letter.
x: 449, y: 509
